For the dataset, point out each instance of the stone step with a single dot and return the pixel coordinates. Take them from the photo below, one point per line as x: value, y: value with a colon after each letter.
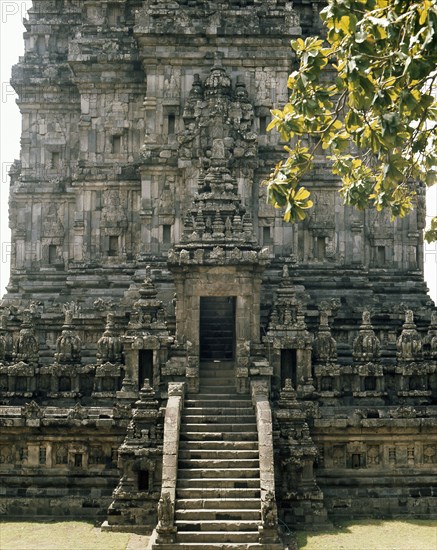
x: 223, y: 398
x: 219, y: 380
x: 218, y: 536
x: 194, y: 526
x: 189, y: 419
x: 218, y: 454
x: 212, y: 401
x: 215, y: 373
x: 218, y: 386
x: 222, y: 463
x: 222, y: 390
x: 218, y: 427
x: 209, y: 473
x: 226, y: 393
x: 215, y: 493
x: 218, y: 504
x: 212, y: 445
x: 217, y: 411
x: 228, y: 514
x: 218, y: 482
x: 211, y: 381
x: 219, y: 445
x: 218, y: 436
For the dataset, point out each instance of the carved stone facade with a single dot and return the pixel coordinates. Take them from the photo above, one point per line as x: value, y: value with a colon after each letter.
x: 137, y: 209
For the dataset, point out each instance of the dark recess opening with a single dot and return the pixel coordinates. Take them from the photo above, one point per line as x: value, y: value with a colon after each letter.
x: 370, y: 383
x: 52, y: 253
x: 288, y: 366
x: 357, y: 461
x: 145, y: 367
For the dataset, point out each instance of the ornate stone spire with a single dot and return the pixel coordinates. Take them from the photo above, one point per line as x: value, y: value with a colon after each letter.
x: 218, y: 82
x: 218, y: 123
x: 109, y: 347
x: 148, y: 312
x: 430, y: 340
x: 366, y: 346
x: 68, y: 345
x: 324, y: 347
x: 27, y: 347
x: 6, y: 342
x: 409, y: 344
x: 288, y: 308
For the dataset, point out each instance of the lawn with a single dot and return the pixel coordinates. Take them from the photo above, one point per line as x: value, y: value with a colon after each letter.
x: 65, y: 535
x: 373, y: 535
x: 357, y: 535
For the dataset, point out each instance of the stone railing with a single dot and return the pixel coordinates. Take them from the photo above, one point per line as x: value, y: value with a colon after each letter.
x: 269, y: 513
x: 166, y: 530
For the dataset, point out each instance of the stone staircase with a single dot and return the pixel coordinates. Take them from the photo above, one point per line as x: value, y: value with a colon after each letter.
x: 218, y: 496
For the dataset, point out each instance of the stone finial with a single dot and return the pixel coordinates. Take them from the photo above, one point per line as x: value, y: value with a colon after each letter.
x: 68, y: 344
x: 68, y: 347
x: 409, y: 344
x: 366, y: 346
x: 148, y: 312
x: 148, y: 277
x: 109, y: 346
x: 2, y: 347
x: 240, y: 90
x: 218, y: 83
x: 70, y: 309
x: 27, y: 347
x: 430, y: 340
x: 4, y: 315
x: 197, y: 87
x: 325, y: 347
x: 32, y: 410
x: 6, y: 343
x: 77, y: 413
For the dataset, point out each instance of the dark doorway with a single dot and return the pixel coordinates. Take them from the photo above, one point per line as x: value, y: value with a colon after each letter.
x: 217, y: 328
x: 288, y: 367
x: 145, y: 367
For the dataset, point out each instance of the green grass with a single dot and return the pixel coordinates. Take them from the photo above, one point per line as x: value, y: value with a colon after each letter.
x: 65, y: 535
x: 356, y: 535
x: 373, y: 535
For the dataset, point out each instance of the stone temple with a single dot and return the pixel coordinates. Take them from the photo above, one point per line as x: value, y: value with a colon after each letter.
x: 173, y: 356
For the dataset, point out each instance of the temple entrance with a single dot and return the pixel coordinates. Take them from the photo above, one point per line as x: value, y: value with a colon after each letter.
x: 217, y: 328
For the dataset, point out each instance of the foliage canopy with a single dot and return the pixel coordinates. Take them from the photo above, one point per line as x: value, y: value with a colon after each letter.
x: 366, y: 94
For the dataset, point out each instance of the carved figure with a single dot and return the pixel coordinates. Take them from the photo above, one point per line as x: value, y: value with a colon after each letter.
x: 165, y: 511
x: 268, y: 510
